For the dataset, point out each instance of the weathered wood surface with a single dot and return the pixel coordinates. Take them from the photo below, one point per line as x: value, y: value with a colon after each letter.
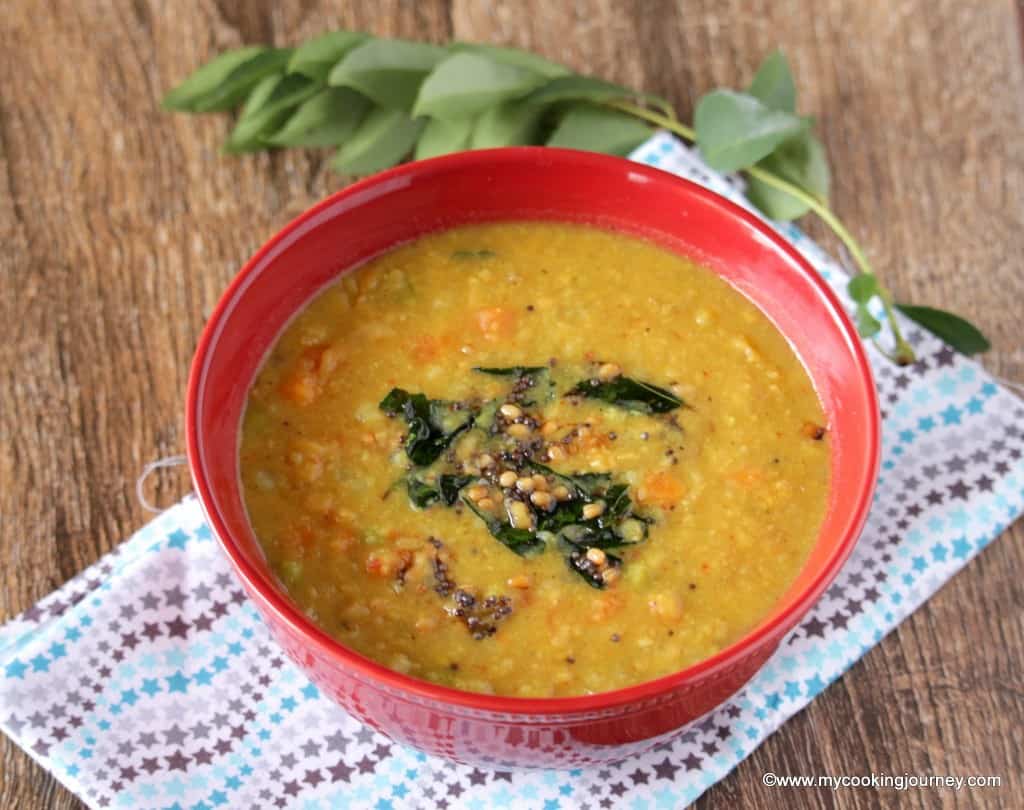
x: 121, y: 224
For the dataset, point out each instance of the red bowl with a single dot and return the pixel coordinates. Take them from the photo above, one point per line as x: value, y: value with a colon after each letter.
x: 378, y: 213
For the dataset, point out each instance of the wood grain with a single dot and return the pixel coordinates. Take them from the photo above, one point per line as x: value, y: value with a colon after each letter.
x: 121, y: 224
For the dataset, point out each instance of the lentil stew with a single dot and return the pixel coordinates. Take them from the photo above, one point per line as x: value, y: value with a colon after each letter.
x: 534, y: 459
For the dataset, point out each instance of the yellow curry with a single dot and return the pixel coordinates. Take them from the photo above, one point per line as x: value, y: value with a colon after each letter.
x: 534, y: 459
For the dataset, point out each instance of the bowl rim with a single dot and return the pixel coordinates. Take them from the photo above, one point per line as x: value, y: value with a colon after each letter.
x: 273, y: 599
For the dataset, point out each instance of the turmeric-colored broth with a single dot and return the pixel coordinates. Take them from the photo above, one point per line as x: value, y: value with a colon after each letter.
x: 533, y: 581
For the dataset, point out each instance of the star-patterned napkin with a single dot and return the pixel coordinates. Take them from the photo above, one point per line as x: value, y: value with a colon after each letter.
x: 149, y: 681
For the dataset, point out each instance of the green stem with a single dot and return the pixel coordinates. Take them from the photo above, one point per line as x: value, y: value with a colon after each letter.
x: 664, y: 121
x: 904, y: 353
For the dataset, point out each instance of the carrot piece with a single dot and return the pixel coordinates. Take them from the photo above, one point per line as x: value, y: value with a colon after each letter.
x: 313, y: 367
x: 661, y: 489
x: 300, y: 388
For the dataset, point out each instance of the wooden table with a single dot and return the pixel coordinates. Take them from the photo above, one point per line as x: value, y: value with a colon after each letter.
x: 120, y: 225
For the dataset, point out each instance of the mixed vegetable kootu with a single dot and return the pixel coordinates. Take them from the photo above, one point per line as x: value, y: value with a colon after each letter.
x: 534, y: 459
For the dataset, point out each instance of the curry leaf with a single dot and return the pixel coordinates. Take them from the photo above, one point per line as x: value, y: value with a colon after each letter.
x: 424, y: 494
x: 317, y: 57
x: 523, y: 542
x: 566, y: 513
x: 466, y: 84
x: 421, y: 494
x: 513, y: 56
x: 381, y: 140
x: 326, y: 119
x: 441, y: 137
x: 801, y: 161
x: 512, y: 123
x: 566, y: 518
x: 449, y: 486
x: 772, y: 202
x: 632, y: 395
x: 867, y: 324
x: 567, y: 522
x: 588, y: 88
x: 583, y: 485
x: 267, y: 108
x: 394, y: 403
x: 241, y: 81
x: 590, y: 534
x: 389, y: 71
x: 961, y: 334
x: 207, y: 80
x: 773, y: 84
x: 599, y: 129
x: 862, y: 287
x: 509, y: 371
x: 487, y: 414
x: 591, y: 484
x: 617, y: 502
x: 735, y: 130
x: 427, y: 436
x: 578, y: 562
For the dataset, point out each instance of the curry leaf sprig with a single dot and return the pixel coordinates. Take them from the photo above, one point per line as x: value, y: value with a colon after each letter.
x: 378, y: 101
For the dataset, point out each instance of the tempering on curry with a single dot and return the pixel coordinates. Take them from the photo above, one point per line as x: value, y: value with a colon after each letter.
x: 534, y: 459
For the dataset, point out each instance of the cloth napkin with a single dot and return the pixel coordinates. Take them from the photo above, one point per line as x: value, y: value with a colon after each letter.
x: 149, y: 681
